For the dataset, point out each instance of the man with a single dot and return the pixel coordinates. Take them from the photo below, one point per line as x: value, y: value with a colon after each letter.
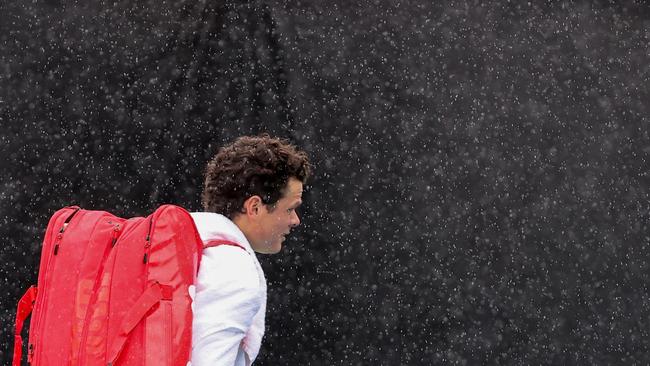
x: 252, y: 190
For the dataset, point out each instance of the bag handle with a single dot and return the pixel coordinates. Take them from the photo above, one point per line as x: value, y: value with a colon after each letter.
x: 149, y: 298
x: 25, y: 307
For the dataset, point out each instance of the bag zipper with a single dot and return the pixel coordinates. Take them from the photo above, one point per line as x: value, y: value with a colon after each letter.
x: 147, y: 244
x: 94, y: 294
x: 84, y: 335
x: 31, y: 355
x: 62, y: 230
x: 146, y: 259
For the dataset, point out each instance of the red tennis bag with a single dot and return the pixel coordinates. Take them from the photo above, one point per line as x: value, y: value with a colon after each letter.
x: 112, y: 291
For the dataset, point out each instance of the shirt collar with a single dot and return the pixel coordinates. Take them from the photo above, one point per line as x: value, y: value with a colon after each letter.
x: 214, y: 226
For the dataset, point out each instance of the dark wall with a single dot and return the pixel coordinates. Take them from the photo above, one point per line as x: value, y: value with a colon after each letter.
x: 481, y: 189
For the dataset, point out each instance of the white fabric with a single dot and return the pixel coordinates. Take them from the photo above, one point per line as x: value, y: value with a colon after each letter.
x: 230, y: 297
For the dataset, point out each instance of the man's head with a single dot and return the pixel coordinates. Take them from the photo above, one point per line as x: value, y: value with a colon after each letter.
x: 257, y: 182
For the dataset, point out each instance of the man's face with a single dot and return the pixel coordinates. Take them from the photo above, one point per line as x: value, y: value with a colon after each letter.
x: 276, y: 223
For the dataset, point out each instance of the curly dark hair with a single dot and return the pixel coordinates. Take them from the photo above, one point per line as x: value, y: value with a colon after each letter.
x: 251, y: 165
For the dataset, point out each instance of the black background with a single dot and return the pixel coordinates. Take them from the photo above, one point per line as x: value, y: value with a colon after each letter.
x: 481, y: 187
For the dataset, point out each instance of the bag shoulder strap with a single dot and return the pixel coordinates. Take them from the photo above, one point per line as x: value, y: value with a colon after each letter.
x: 25, y: 307
x: 154, y: 293
x: 217, y: 242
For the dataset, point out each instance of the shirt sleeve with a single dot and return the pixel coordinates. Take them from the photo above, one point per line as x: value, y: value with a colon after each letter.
x: 227, y: 298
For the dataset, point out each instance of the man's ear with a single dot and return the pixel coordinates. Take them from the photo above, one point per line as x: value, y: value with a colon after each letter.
x: 253, y: 206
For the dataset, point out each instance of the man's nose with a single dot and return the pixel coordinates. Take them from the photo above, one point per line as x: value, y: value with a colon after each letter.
x: 295, y: 220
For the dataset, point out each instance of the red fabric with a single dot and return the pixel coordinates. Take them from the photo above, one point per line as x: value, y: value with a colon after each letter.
x: 97, y: 289
x: 151, y: 297
x: 25, y: 306
x: 73, y: 249
x: 173, y: 253
x: 217, y: 242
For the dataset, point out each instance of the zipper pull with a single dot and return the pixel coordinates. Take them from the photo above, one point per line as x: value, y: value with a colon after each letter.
x: 149, y: 231
x: 58, y: 241
x: 30, y: 354
x: 67, y: 220
x: 146, y: 252
x: 148, y: 242
x: 116, y: 230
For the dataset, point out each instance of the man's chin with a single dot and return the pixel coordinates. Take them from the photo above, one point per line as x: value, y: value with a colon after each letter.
x: 275, y: 249
x: 269, y: 249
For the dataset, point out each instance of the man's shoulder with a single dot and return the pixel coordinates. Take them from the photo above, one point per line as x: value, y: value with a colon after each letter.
x: 230, y: 265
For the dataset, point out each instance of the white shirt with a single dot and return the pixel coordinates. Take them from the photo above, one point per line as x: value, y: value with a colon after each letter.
x: 230, y: 297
